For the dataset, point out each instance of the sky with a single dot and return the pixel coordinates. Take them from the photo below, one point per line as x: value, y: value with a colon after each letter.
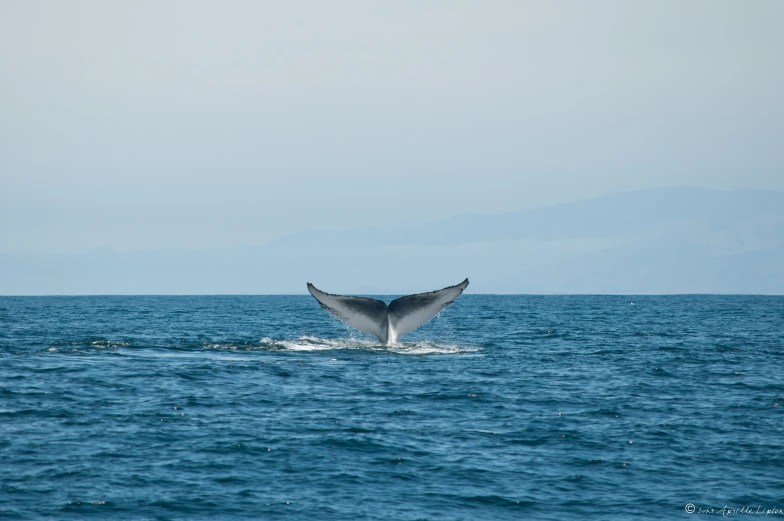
x: 190, y: 124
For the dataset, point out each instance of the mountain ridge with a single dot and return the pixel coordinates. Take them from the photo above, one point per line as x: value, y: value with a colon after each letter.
x: 665, y: 240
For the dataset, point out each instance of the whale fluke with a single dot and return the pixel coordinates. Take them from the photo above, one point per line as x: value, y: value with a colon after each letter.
x: 388, y: 322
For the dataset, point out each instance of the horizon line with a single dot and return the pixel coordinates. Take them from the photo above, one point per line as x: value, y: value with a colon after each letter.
x: 687, y: 294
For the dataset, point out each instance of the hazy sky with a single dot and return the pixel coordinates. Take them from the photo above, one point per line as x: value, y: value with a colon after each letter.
x: 137, y: 125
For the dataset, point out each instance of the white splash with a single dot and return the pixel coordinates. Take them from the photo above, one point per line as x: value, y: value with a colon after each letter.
x: 309, y: 343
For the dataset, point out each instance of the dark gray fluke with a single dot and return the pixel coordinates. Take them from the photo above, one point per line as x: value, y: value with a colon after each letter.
x: 388, y: 322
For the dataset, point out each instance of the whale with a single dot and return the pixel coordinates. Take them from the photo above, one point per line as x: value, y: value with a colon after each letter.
x: 388, y: 322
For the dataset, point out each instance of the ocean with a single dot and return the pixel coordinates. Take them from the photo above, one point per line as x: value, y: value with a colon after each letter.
x: 501, y: 407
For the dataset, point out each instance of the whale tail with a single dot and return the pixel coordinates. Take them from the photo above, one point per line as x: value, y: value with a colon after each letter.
x: 388, y: 322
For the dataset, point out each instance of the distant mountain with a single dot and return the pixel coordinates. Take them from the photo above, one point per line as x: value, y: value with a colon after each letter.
x: 667, y: 240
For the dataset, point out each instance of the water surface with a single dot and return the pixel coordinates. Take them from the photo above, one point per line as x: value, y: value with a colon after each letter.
x: 503, y: 407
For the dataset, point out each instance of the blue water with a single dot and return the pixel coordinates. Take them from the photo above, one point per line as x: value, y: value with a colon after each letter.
x: 503, y: 407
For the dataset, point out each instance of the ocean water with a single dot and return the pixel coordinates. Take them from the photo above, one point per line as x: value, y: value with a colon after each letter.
x: 502, y: 407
